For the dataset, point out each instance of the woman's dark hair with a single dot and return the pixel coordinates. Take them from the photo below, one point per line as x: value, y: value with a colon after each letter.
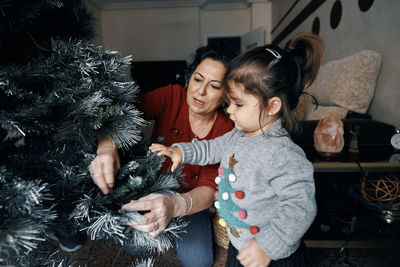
x: 270, y: 71
x: 217, y: 52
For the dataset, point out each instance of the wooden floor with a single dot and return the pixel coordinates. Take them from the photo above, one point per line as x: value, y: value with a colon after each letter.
x: 99, y: 254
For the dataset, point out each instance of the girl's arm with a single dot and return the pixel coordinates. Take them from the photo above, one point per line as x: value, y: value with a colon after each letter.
x: 293, y: 183
x: 196, y: 153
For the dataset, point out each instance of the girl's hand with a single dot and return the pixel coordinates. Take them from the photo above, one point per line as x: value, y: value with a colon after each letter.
x: 173, y: 152
x: 162, y: 208
x: 252, y: 255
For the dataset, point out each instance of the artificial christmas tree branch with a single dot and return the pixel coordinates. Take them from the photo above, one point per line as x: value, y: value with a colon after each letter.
x: 55, y: 103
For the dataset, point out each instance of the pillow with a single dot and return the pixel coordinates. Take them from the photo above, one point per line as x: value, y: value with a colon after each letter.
x: 306, y: 109
x: 323, y: 111
x: 349, y: 82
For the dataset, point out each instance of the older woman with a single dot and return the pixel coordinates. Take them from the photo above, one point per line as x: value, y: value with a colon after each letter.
x: 181, y: 114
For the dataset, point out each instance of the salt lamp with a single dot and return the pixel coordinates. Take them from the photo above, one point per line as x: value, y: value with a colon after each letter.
x: 328, y: 136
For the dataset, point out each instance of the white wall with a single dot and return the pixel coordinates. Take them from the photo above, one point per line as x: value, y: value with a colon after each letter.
x: 167, y: 33
x: 224, y: 23
x: 173, y: 33
x: 152, y: 34
x: 261, y: 16
x: 376, y: 29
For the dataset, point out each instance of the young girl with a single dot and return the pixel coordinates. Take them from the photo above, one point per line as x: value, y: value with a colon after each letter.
x: 265, y: 185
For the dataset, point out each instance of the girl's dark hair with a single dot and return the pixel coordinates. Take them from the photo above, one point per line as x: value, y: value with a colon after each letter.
x: 270, y: 71
x: 217, y: 52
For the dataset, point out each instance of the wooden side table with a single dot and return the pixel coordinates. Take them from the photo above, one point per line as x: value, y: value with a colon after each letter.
x: 333, y: 180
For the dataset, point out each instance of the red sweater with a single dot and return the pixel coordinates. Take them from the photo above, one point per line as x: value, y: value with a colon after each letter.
x: 168, y: 107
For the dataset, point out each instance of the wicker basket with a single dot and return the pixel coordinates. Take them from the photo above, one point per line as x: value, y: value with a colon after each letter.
x: 382, y: 188
x: 220, y: 235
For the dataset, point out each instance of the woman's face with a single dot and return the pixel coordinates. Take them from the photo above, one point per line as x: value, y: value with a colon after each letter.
x: 205, y: 94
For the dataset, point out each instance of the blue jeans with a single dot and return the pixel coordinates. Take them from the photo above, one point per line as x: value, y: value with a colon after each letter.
x: 195, y: 248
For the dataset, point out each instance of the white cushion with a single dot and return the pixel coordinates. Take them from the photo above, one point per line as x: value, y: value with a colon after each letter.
x: 349, y: 82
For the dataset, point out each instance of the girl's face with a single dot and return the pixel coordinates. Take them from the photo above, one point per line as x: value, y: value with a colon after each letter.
x: 205, y: 94
x: 245, y: 109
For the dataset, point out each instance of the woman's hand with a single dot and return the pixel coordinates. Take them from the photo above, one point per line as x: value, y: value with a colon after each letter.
x: 173, y: 152
x: 106, y: 164
x: 252, y: 255
x: 162, y: 208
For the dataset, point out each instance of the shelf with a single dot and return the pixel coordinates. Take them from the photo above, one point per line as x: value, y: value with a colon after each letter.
x: 378, y: 243
x: 353, y: 167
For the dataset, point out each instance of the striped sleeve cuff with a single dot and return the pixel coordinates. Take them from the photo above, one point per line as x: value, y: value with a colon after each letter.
x: 274, y: 245
x: 187, y: 152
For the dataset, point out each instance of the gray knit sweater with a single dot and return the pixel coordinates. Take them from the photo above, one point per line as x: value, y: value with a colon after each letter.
x: 277, y: 182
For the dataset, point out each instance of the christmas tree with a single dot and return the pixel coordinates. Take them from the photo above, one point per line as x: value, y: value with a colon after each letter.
x: 58, y: 95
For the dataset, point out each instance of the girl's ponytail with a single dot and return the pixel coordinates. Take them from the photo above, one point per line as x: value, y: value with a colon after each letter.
x: 305, y: 52
x: 307, y: 49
